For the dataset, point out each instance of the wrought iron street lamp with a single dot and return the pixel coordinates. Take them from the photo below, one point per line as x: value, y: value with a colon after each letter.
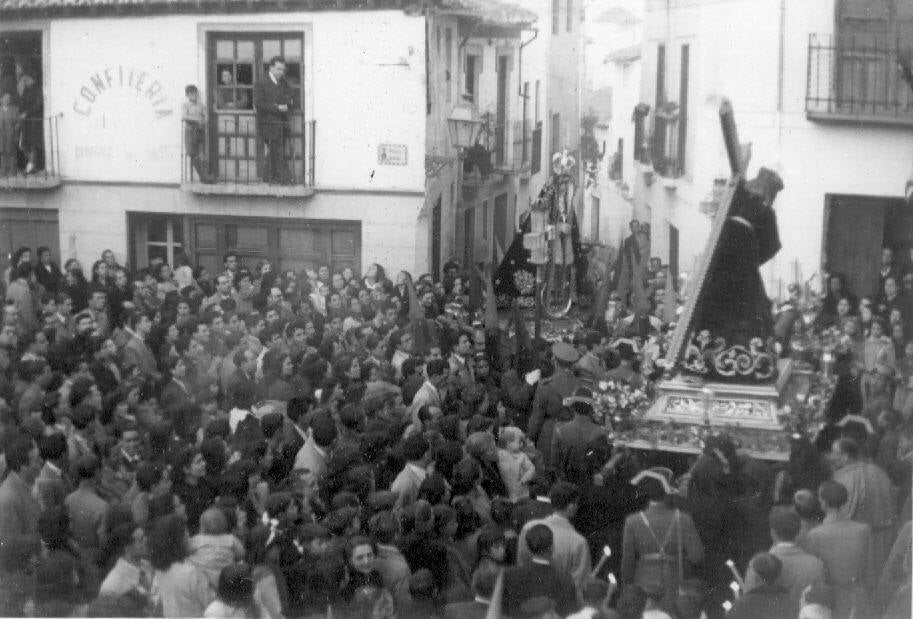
x: 465, y: 127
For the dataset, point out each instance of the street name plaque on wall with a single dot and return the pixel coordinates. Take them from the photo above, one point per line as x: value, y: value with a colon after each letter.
x: 392, y: 154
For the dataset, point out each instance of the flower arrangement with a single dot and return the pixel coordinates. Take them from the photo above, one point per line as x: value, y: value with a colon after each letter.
x: 620, y: 406
x: 803, y: 411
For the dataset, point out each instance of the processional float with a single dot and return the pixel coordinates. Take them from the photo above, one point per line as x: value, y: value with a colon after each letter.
x: 721, y: 369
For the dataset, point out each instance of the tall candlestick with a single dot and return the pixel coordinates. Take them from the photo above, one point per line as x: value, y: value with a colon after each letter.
x: 706, y: 399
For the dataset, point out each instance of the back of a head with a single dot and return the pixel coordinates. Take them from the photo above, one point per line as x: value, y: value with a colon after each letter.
x: 539, y: 539
x: 384, y: 527
x: 848, y: 447
x: 213, y: 522
x: 833, y: 494
x: 324, y: 430
x: 271, y: 424
x: 563, y: 494
x: 484, y: 579
x: 594, y: 591
x: 806, y: 504
x: 52, y: 446
x: 86, y: 468
x: 422, y: 585
x: 415, y: 447
x: 297, y: 407
x: 785, y: 523
x: 236, y: 588
x: 767, y: 567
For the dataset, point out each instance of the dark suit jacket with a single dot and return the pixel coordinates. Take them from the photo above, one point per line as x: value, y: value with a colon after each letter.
x: 137, y: 353
x: 173, y: 395
x: 548, y: 409
x: 18, y: 510
x: 268, y: 96
x: 104, y: 377
x: 575, y: 433
x: 50, y: 279
x: 524, y: 582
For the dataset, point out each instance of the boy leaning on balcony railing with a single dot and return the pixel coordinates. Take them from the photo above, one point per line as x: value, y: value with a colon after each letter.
x: 193, y: 114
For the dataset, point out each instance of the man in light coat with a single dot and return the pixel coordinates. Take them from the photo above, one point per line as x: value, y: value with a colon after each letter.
x: 136, y: 352
x: 570, y: 551
x: 800, y: 569
x: 844, y: 547
x: 871, y: 495
x: 19, y: 510
x: 315, y: 452
x: 416, y: 451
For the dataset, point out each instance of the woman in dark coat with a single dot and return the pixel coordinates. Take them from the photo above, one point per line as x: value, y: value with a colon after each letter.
x: 74, y: 284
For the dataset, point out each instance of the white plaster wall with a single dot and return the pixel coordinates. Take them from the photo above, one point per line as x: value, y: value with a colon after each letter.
x: 365, y: 85
x: 536, y: 68
x: 734, y: 54
x: 94, y: 217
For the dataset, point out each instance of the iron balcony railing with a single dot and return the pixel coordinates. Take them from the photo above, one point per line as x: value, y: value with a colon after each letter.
x: 856, y: 79
x: 30, y: 154
x: 240, y: 151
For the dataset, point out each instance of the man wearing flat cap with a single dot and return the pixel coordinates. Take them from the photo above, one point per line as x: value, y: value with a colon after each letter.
x: 558, y: 382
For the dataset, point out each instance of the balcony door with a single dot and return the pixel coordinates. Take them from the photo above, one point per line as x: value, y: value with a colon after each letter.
x: 869, y: 33
x: 237, y: 62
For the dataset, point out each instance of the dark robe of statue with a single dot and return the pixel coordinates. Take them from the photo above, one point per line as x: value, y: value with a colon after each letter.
x: 733, y: 307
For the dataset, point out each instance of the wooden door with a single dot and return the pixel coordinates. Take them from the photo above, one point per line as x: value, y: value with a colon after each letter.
x: 854, y: 237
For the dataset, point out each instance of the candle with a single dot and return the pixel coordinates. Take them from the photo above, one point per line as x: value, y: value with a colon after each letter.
x: 706, y: 399
x: 828, y: 359
x: 735, y: 573
x: 606, y: 553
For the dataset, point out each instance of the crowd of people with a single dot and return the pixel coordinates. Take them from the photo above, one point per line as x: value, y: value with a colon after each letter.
x: 257, y: 443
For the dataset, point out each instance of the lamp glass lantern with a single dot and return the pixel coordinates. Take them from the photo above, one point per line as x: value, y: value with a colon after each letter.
x: 464, y: 127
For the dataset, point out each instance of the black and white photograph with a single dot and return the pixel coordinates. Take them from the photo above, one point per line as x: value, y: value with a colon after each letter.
x: 456, y: 309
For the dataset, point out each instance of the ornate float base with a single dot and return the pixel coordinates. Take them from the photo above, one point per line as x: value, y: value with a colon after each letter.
x: 738, y: 409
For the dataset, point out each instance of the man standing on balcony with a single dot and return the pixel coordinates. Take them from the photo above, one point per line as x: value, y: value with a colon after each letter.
x: 273, y: 98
